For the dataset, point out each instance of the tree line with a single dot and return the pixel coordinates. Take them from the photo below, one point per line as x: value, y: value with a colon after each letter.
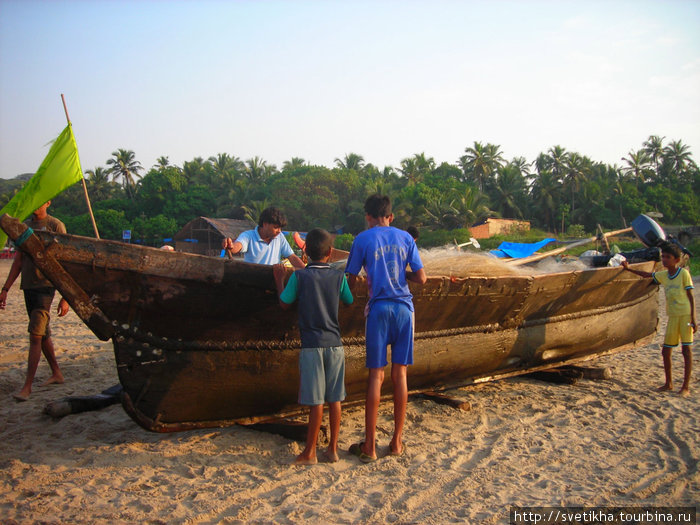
x: 559, y: 191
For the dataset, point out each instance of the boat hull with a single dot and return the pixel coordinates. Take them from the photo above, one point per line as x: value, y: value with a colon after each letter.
x: 202, y: 342
x: 177, y: 390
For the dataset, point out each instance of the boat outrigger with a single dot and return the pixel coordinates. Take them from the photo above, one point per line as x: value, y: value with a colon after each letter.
x: 201, y: 342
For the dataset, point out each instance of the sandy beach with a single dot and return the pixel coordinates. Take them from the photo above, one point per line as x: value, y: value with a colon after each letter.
x: 524, y: 442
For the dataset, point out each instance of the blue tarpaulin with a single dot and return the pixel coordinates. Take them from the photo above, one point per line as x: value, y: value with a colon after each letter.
x: 518, y: 250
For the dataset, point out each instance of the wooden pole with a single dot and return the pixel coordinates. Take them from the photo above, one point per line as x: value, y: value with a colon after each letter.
x: 605, y: 239
x: 539, y: 256
x: 87, y: 199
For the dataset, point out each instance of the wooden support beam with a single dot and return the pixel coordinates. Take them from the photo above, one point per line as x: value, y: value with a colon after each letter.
x: 592, y: 372
x: 557, y: 376
x: 443, y: 399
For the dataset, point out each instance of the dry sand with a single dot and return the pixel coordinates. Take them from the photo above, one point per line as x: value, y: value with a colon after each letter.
x: 524, y: 442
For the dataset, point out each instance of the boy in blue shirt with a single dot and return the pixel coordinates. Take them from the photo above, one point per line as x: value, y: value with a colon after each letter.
x: 384, y: 252
x: 319, y: 288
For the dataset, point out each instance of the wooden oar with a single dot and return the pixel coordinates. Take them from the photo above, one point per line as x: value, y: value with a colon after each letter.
x: 539, y: 256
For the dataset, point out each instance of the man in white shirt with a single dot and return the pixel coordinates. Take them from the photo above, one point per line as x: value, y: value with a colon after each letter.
x: 264, y: 244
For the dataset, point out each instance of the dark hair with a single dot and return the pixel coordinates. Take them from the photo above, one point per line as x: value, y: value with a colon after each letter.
x: 378, y: 206
x: 670, y: 248
x: 413, y: 232
x: 318, y: 244
x: 272, y: 216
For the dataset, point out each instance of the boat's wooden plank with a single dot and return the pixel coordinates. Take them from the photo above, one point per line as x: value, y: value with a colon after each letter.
x: 46, y: 262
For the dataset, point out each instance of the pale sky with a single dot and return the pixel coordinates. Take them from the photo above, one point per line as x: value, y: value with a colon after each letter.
x: 319, y: 79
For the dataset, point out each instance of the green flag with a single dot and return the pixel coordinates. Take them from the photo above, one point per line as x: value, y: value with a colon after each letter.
x: 60, y: 169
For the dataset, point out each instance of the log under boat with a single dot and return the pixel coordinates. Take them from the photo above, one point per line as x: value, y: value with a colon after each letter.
x: 201, y: 342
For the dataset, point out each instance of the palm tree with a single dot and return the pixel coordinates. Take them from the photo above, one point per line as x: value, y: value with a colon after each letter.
x: 470, y: 205
x: 124, y: 166
x: 542, y: 163
x: 654, y: 148
x: 224, y: 166
x: 678, y: 157
x: 161, y: 163
x: 576, y: 171
x: 637, y: 165
x: 439, y: 213
x: 509, y: 188
x: 522, y: 165
x: 480, y: 163
x: 293, y: 164
x: 98, y: 183
x: 351, y: 161
x: 195, y: 170
x: 257, y: 169
x: 416, y: 167
x: 557, y: 157
x: 252, y: 212
x: 545, y: 194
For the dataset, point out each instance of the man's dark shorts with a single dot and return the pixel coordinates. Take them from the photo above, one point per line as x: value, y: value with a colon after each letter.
x: 38, y: 302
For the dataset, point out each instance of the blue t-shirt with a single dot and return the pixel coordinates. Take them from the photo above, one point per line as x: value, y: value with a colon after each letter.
x: 384, y: 252
x: 256, y: 250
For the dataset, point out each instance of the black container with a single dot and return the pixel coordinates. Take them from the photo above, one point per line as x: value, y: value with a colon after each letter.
x: 645, y: 254
x: 648, y: 231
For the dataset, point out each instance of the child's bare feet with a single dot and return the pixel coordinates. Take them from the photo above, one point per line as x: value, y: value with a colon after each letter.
x: 56, y: 379
x: 22, y: 395
x: 684, y: 392
x: 301, y: 459
x: 664, y: 388
x: 330, y: 456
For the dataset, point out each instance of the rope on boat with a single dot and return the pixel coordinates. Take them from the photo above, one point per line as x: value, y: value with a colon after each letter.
x: 130, y: 336
x: 24, y: 236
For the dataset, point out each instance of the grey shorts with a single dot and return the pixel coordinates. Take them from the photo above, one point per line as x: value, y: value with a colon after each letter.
x: 322, y: 375
x: 38, y: 303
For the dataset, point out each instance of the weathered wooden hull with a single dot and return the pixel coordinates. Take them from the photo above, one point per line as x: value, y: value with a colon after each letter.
x: 202, y: 342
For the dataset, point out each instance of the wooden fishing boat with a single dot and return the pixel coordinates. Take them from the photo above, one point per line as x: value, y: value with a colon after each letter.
x: 202, y: 342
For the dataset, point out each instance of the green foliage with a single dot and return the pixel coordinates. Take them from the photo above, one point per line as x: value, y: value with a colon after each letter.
x: 110, y: 224
x: 560, y: 191
x: 343, y: 241
x: 432, y: 239
x: 153, y: 230
x: 576, y: 231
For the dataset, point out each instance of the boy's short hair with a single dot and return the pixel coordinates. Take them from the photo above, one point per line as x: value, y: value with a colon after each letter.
x: 412, y: 231
x: 274, y: 216
x: 318, y: 244
x: 672, y: 249
x: 378, y: 206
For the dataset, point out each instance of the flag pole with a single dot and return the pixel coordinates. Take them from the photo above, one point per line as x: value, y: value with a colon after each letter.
x: 82, y: 178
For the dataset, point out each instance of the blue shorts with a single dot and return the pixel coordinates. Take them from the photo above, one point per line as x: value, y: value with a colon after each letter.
x: 322, y: 375
x: 389, y: 323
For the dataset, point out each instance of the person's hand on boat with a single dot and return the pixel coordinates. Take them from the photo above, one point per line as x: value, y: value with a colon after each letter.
x: 624, y: 264
x: 62, y: 308
x: 279, y: 272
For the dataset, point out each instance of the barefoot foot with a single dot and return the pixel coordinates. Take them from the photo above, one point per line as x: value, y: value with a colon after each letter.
x: 684, y: 392
x: 304, y: 460
x: 330, y: 456
x: 21, y: 396
x: 664, y: 388
x: 56, y: 379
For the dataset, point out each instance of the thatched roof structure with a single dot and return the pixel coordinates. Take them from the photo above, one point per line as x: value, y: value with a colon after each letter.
x: 204, y: 235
